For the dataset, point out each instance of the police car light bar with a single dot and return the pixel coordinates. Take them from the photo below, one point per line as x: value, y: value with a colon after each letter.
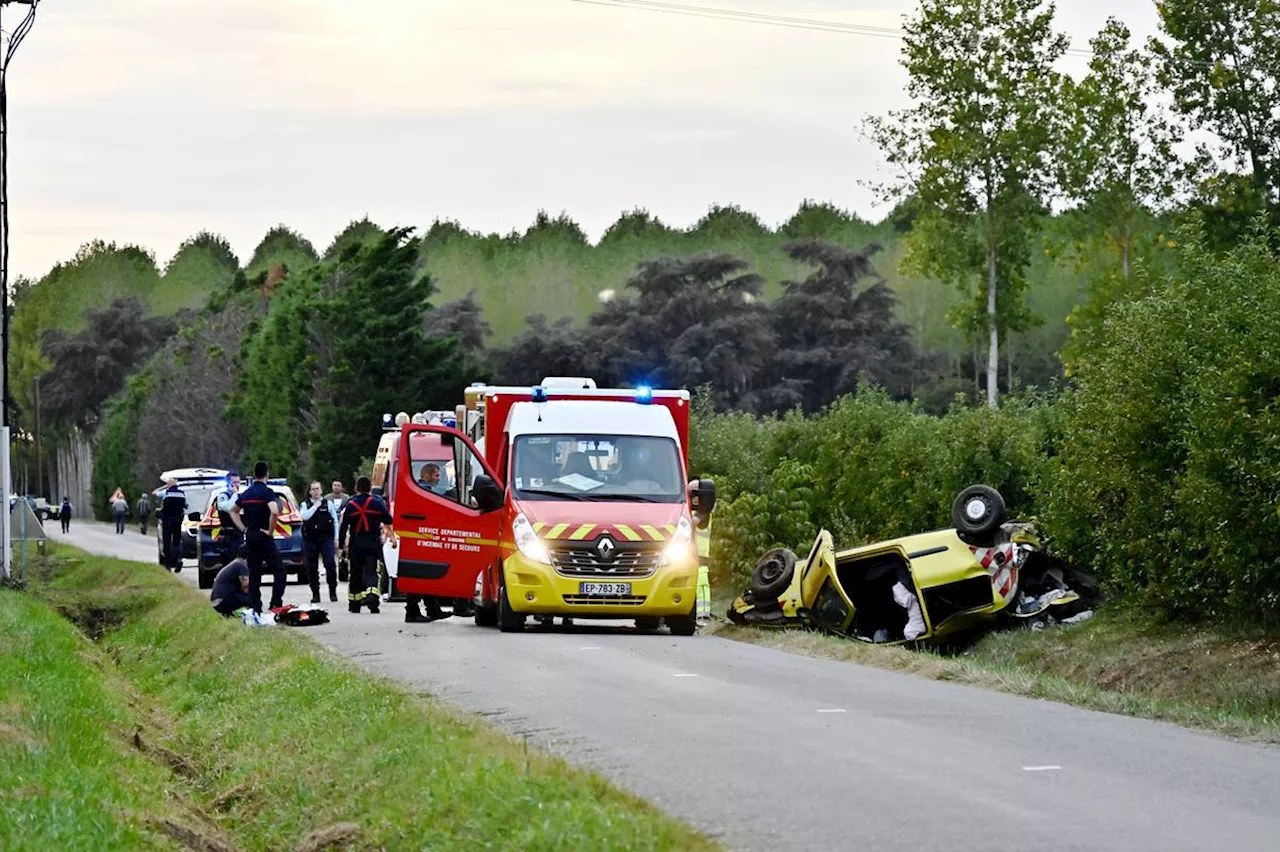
x: 539, y: 394
x: 644, y: 394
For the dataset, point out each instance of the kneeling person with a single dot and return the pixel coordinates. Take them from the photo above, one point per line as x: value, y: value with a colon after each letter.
x: 231, y: 586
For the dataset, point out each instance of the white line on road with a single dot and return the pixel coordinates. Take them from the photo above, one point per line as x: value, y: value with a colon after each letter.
x: 686, y: 675
x: 589, y: 648
x: 1039, y: 768
x: 833, y: 710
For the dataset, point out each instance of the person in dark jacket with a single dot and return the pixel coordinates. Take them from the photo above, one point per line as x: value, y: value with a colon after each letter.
x: 143, y: 508
x: 360, y: 536
x: 319, y: 529
x: 173, y: 508
x: 254, y: 514
x: 231, y: 586
x: 64, y: 514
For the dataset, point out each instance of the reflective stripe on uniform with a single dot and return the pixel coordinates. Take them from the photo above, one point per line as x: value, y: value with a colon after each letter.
x: 703, y: 595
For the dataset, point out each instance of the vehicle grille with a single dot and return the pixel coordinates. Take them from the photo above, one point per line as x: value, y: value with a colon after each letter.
x: 629, y: 559
x: 584, y: 600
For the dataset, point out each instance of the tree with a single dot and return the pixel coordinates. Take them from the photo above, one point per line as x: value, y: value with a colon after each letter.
x: 382, y: 359
x: 358, y: 232
x: 202, y: 265
x: 462, y: 319
x: 974, y: 147
x: 1118, y: 158
x: 1221, y: 64
x: 546, y: 349
x: 830, y: 335
x: 282, y: 246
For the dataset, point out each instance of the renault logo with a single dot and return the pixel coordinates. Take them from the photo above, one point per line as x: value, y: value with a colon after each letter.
x: 605, y: 548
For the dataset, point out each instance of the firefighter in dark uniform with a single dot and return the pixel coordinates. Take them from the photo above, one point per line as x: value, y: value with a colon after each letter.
x: 173, y: 508
x: 362, y: 520
x: 254, y: 514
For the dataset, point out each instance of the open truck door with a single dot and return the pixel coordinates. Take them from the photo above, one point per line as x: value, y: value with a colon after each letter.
x: 448, y: 530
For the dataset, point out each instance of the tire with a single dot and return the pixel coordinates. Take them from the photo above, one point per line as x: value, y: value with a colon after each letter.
x: 486, y: 616
x: 509, y: 621
x: 648, y: 623
x: 205, y: 577
x: 978, y: 511
x: 684, y: 625
x: 772, y: 574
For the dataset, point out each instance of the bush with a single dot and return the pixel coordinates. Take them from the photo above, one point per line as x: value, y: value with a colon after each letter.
x: 1168, y: 481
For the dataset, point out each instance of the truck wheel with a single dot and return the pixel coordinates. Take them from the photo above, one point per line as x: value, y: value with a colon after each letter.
x: 486, y: 616
x: 772, y: 574
x: 509, y: 621
x: 648, y: 623
x: 684, y: 625
x: 978, y: 511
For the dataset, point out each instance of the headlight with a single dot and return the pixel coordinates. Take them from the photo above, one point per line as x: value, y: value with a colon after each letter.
x: 680, y: 548
x: 528, y: 542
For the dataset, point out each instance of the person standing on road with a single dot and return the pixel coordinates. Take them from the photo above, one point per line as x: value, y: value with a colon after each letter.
x: 121, y: 509
x: 254, y: 513
x: 173, y: 508
x: 360, y: 534
x: 231, y: 586
x: 64, y: 514
x: 229, y: 537
x: 319, y: 529
x: 702, y: 536
x: 143, y: 508
x: 338, y: 497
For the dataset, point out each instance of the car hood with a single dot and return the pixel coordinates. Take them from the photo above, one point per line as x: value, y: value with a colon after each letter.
x: 575, y: 521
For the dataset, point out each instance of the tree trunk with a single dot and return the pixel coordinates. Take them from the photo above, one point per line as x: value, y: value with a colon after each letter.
x: 1126, y: 248
x: 993, y: 353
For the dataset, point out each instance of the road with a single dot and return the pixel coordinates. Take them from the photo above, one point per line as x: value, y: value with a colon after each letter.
x: 766, y: 750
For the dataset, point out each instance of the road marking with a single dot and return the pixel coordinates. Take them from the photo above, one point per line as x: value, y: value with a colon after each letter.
x: 833, y: 710
x: 1039, y: 768
x: 589, y: 648
x: 686, y: 675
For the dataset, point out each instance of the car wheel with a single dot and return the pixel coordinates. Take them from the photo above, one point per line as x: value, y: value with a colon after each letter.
x: 978, y: 512
x: 509, y: 621
x: 772, y: 574
x: 684, y: 625
x: 486, y: 616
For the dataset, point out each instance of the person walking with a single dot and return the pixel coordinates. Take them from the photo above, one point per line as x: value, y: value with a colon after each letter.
x: 143, y: 509
x: 319, y: 529
x: 254, y: 513
x: 360, y: 536
x: 64, y: 514
x: 121, y: 509
x: 173, y: 508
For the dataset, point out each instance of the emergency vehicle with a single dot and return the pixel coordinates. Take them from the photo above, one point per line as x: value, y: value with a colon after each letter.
x: 211, y: 555
x: 562, y: 499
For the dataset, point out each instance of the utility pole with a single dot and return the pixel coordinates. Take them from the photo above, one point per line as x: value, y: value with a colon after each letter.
x: 16, y: 35
x: 40, y: 492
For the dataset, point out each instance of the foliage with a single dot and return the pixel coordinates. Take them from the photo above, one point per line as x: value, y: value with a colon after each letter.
x: 282, y: 246
x: 1169, y: 470
x: 1220, y: 60
x: 115, y: 455
x: 975, y: 148
x: 89, y: 366
x: 203, y: 264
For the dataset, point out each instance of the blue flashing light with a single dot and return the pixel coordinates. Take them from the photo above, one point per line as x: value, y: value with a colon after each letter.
x: 388, y: 420
x: 539, y: 394
x: 644, y: 394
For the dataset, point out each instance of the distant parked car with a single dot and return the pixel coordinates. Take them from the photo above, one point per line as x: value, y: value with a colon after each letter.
x: 210, y: 557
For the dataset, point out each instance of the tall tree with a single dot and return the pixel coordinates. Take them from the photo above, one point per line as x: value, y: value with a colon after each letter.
x: 974, y: 147
x: 1118, y: 158
x: 1221, y: 63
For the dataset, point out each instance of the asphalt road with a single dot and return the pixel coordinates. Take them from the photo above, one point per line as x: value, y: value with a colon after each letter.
x: 770, y: 750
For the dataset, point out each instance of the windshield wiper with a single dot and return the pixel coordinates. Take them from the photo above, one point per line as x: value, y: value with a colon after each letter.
x: 628, y: 498
x: 560, y: 495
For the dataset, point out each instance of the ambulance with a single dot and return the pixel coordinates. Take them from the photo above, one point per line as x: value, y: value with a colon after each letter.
x: 558, y: 500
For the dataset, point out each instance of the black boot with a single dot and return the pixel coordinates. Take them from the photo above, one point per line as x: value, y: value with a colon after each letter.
x: 333, y: 594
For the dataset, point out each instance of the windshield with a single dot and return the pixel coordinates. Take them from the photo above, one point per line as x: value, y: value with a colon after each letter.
x: 597, y: 467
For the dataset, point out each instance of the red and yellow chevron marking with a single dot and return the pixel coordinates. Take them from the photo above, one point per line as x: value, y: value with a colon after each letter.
x: 580, y: 532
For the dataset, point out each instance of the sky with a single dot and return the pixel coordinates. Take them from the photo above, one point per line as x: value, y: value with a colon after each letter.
x: 146, y: 121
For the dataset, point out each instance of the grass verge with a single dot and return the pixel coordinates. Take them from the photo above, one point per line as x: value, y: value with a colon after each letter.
x: 1226, y: 682
x: 265, y: 740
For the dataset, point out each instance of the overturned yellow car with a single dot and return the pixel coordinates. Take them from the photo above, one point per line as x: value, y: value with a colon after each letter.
x: 922, y: 587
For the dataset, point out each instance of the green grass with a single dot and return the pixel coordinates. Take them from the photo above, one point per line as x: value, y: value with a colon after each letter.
x: 272, y: 738
x: 1224, y: 681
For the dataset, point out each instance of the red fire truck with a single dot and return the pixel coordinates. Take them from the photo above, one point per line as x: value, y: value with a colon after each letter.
x: 562, y: 499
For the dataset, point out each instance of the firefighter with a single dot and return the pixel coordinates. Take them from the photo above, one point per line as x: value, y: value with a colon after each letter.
x: 143, y: 508
x: 229, y: 536
x: 702, y: 536
x: 360, y: 536
x: 173, y: 508
x: 319, y: 525
x: 253, y: 513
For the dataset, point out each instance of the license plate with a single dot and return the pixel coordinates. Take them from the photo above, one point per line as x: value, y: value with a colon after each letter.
x: 605, y: 590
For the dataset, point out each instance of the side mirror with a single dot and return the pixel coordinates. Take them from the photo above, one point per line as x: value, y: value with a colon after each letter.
x: 193, y: 516
x: 703, y: 498
x: 487, y: 494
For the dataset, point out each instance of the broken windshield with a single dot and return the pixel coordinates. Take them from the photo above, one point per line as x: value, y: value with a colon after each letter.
x: 606, y: 467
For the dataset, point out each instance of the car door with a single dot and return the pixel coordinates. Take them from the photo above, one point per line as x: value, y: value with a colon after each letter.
x: 444, y: 541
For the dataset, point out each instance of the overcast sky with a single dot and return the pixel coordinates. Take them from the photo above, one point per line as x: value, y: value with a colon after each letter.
x: 145, y: 121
